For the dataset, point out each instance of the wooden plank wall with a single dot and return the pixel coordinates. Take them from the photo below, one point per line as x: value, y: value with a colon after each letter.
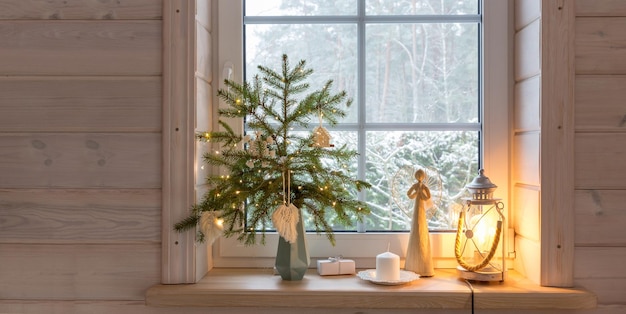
x: 527, y: 138
x: 600, y: 149
x: 80, y: 154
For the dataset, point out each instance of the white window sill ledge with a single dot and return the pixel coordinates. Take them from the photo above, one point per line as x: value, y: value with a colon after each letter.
x: 259, y: 288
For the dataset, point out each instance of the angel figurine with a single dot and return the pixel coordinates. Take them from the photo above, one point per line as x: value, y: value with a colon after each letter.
x: 418, y: 257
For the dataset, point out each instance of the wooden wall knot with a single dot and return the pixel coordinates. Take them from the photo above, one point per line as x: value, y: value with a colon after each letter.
x: 623, y: 122
x: 597, y: 201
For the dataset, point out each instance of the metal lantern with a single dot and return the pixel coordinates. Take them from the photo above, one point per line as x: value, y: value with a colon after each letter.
x: 479, y: 233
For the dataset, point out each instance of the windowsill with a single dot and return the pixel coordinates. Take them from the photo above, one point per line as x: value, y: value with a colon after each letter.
x: 230, y: 287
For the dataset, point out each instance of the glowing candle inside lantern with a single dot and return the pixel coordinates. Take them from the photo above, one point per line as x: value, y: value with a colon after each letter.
x: 387, y: 267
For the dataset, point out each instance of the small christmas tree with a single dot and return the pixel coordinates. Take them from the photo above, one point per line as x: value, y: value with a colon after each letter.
x: 274, y: 167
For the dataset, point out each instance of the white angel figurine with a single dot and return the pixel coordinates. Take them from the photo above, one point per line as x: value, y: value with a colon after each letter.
x: 418, y: 257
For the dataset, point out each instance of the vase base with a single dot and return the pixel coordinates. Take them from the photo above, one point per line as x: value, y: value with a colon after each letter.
x: 290, y: 274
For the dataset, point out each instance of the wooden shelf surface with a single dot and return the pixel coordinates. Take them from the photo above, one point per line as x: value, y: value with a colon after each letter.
x: 230, y: 287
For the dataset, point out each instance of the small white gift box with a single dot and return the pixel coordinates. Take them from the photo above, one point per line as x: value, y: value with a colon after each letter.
x: 335, y: 266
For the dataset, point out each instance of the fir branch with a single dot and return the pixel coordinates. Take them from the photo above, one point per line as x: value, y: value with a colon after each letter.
x: 275, y: 102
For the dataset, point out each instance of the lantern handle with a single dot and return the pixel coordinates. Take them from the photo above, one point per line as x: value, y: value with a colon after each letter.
x: 486, y: 259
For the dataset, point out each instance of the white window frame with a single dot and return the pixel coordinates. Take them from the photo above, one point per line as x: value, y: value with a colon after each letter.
x: 496, y: 82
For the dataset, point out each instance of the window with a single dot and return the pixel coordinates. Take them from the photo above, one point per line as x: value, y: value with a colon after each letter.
x: 413, y: 71
x: 417, y: 95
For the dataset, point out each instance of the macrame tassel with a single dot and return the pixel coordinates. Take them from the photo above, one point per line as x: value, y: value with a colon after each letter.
x: 211, y: 226
x: 285, y: 217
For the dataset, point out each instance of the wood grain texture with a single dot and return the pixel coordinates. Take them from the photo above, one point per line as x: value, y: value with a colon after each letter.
x: 78, y: 272
x: 80, y: 216
x: 600, y: 161
x: 259, y: 288
x: 525, y: 166
x: 600, y: 105
x: 204, y: 14
x: 204, y: 105
x: 527, y: 53
x: 67, y: 160
x: 602, y: 271
x: 526, y: 212
x: 600, y: 218
x: 138, y: 307
x: 80, y: 47
x: 526, y: 11
x: 527, y: 104
x: 80, y: 9
x: 600, y: 8
x: 600, y: 45
x: 557, y: 143
x: 178, y: 141
x: 204, y: 45
x: 80, y: 104
x: 528, y: 258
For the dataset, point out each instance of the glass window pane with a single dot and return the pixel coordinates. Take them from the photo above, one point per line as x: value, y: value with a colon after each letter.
x: 393, y: 157
x: 339, y: 139
x: 329, y: 49
x: 422, y: 73
x: 299, y: 7
x: 421, y: 7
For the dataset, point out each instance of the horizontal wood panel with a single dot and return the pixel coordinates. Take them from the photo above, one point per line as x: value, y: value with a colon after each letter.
x: 204, y: 108
x: 600, y: 8
x: 527, y: 104
x: 68, y: 160
x: 527, y: 212
x: 600, y: 160
x: 80, y: 216
x: 60, y: 104
x: 527, y: 51
x: 203, y: 53
x: 600, y: 217
x: 526, y: 11
x: 80, y: 47
x: 75, y: 272
x: 600, y: 103
x: 528, y: 258
x: 526, y: 158
x: 203, y: 14
x: 602, y: 271
x: 80, y: 9
x: 600, y: 45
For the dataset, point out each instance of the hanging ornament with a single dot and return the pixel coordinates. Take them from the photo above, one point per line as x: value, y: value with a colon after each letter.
x: 211, y: 225
x: 285, y: 217
x: 321, y: 136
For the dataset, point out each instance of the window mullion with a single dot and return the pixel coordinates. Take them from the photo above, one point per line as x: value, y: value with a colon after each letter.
x: 361, y: 101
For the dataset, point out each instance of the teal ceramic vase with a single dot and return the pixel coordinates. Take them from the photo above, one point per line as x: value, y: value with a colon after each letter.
x: 292, y: 259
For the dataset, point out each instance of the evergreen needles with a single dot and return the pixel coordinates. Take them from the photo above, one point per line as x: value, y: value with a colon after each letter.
x: 253, y: 166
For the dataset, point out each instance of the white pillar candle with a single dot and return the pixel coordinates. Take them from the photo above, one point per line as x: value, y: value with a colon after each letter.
x: 387, y: 267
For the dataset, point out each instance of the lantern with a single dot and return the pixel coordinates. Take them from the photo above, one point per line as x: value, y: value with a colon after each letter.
x: 479, y: 232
